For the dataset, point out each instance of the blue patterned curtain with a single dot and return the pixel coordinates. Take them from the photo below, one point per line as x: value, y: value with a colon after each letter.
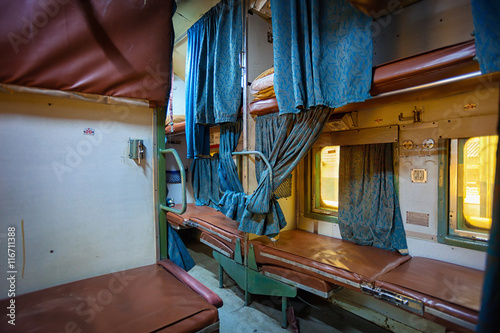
x: 228, y: 174
x: 485, y: 15
x: 322, y: 54
x: 489, y: 321
x: 197, y: 136
x: 177, y: 251
x: 291, y: 138
x: 233, y: 201
x: 271, y: 128
x: 205, y: 181
x: 213, y: 74
x: 369, y: 212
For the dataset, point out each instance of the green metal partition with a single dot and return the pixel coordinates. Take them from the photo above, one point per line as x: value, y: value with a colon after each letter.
x: 162, y: 154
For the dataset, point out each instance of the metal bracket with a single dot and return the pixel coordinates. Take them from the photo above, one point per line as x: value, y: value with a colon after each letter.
x: 394, y: 298
x: 416, y: 117
x: 136, y: 150
x: 256, y: 152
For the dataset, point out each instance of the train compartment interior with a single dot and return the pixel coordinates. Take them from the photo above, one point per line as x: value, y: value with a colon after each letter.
x: 162, y: 159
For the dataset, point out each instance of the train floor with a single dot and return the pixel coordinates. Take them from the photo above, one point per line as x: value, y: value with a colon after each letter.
x: 313, y: 313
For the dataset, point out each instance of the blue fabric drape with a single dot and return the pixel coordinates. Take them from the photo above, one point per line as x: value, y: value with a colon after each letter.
x: 228, y: 174
x: 485, y: 15
x: 369, y: 212
x: 213, y: 74
x: 322, y: 54
x: 293, y: 138
x: 197, y: 136
x: 205, y: 181
x: 268, y: 127
x: 233, y: 200
x: 177, y: 251
x: 489, y: 321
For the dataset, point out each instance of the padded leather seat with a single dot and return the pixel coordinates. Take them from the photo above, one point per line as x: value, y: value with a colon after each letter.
x: 216, y: 227
x: 333, y: 260
x: 448, y: 291
x: 300, y: 280
x: 144, y: 299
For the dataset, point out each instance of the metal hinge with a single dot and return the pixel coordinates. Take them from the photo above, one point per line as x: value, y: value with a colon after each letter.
x: 394, y: 298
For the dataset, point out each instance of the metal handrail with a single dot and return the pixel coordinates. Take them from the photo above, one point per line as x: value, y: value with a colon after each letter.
x: 256, y: 152
x: 183, y: 182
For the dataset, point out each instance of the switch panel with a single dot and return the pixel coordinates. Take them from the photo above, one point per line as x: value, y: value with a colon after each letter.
x: 419, y: 175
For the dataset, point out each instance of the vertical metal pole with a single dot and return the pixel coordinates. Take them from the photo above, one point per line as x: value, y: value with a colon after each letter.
x: 283, y: 312
x: 244, y: 74
x: 161, y: 181
x: 221, y: 276
x: 244, y: 80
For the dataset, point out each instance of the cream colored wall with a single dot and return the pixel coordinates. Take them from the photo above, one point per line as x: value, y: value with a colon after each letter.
x: 87, y: 208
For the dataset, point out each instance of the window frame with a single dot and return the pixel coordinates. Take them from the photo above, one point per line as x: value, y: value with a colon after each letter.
x: 313, y: 197
x: 448, y: 182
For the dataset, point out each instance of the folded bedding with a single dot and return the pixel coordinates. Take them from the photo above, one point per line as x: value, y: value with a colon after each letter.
x: 263, y: 86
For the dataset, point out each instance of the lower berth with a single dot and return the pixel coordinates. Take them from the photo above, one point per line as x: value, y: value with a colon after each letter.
x: 441, y: 292
x: 445, y: 293
x: 217, y: 230
x: 154, y: 298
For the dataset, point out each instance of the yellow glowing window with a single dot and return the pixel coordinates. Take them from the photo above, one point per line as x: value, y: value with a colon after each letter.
x: 477, y: 181
x: 329, y: 177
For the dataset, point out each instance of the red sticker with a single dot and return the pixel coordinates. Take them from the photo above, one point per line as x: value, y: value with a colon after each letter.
x: 88, y: 131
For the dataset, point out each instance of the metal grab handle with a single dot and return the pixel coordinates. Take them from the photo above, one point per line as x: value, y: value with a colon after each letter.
x: 183, y: 182
x: 256, y: 152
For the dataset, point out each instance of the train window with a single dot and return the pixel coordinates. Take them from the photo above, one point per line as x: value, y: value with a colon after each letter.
x: 471, y: 177
x: 325, y: 173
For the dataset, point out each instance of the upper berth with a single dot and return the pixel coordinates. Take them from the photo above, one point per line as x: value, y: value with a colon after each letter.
x: 400, y: 76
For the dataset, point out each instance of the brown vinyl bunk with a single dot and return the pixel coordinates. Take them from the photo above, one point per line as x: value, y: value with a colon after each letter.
x: 155, y: 298
x: 105, y: 51
x: 442, y: 292
x: 445, y: 293
x: 217, y: 230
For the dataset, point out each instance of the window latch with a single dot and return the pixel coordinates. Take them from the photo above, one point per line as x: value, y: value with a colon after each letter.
x: 416, y: 117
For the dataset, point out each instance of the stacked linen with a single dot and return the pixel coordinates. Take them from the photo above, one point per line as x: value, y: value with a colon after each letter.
x: 263, y: 86
x: 262, y: 89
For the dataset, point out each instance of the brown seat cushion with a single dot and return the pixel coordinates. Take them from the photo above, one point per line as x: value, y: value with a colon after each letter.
x: 221, y: 228
x: 327, y: 257
x: 143, y: 299
x: 452, y: 289
x: 320, y: 286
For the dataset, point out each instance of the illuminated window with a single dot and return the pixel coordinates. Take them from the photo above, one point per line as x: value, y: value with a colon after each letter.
x: 472, y: 164
x: 478, y: 177
x: 326, y: 186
